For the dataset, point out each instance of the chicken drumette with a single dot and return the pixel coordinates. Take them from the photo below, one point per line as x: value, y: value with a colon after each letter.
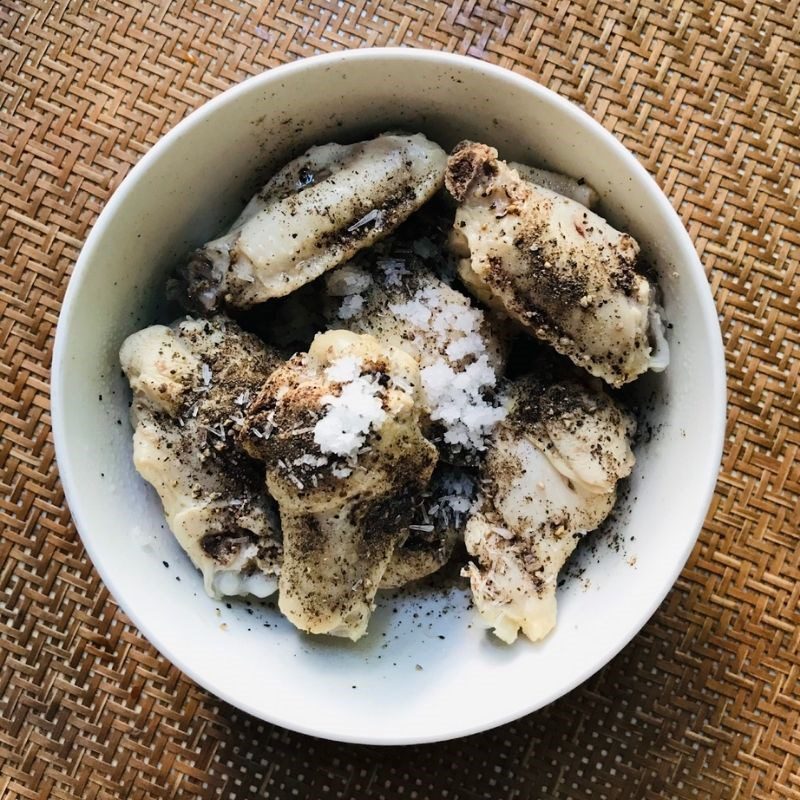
x: 549, y: 477
x: 190, y: 382
x: 338, y: 429
x: 314, y: 214
x: 559, y: 270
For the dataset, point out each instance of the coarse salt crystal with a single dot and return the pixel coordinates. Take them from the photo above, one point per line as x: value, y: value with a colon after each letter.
x: 351, y: 306
x: 307, y: 460
x: 349, y: 417
x: 414, y: 311
x: 459, y: 504
x: 394, y: 270
x: 456, y: 398
x: 465, y: 346
x: 344, y: 369
x: 348, y: 279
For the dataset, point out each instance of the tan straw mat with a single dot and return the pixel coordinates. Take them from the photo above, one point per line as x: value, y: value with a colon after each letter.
x: 705, y: 702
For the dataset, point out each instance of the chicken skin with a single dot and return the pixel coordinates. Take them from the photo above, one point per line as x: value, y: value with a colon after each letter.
x: 315, y: 214
x: 339, y: 431
x: 556, y: 268
x: 577, y: 190
x: 190, y: 381
x: 549, y: 477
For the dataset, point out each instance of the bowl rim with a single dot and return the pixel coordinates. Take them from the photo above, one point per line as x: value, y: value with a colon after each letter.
x: 68, y: 309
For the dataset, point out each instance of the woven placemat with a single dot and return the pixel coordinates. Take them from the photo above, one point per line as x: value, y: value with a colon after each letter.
x: 704, y: 703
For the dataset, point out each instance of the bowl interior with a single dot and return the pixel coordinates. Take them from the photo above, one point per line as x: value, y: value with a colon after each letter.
x: 427, y: 670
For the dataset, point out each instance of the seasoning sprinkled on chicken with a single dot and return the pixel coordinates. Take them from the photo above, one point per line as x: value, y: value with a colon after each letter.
x: 440, y: 514
x: 190, y: 383
x: 398, y: 428
x: 549, y: 477
x: 339, y: 431
x: 461, y: 353
x: 315, y: 214
x: 559, y: 270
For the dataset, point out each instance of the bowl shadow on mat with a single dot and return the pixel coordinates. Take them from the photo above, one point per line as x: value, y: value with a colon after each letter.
x: 618, y: 720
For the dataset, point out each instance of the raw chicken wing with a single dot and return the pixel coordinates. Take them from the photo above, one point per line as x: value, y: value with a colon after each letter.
x: 559, y: 270
x: 549, y: 477
x: 316, y: 213
x: 338, y: 428
x: 190, y: 382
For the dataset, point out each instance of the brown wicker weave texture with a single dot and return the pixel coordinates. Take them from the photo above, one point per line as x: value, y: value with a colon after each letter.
x: 704, y: 703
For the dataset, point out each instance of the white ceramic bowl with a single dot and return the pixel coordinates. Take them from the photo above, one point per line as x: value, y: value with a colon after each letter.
x: 418, y: 678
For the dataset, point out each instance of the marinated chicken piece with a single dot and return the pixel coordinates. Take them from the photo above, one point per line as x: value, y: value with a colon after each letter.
x: 575, y: 188
x: 556, y: 268
x: 339, y: 431
x: 190, y: 382
x: 549, y: 477
x: 440, y: 515
x: 316, y: 213
x: 460, y: 354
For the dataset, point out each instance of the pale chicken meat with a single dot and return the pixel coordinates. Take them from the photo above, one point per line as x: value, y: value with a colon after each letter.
x: 460, y: 350
x: 575, y: 188
x: 556, y: 268
x: 316, y: 213
x: 339, y: 431
x: 440, y: 514
x: 190, y: 382
x: 549, y: 477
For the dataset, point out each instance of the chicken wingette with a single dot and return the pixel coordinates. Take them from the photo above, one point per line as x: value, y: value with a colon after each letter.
x: 556, y: 268
x: 314, y: 214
